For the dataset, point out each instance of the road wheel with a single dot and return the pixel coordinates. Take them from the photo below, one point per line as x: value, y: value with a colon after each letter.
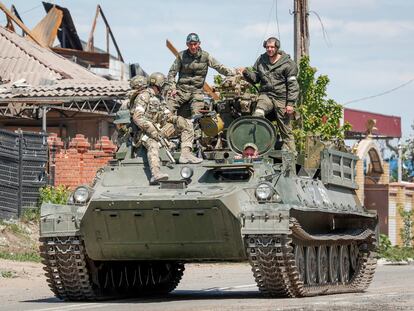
x: 311, y: 266
x: 323, y: 265
x: 333, y: 263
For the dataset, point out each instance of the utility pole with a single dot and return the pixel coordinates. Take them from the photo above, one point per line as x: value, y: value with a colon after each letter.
x: 301, y: 29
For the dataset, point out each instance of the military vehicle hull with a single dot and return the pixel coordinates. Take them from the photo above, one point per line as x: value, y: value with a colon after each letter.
x: 311, y: 236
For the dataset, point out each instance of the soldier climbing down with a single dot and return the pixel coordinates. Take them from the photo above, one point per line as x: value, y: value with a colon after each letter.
x: 150, y: 114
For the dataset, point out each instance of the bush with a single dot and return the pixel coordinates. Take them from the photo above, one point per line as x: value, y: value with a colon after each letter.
x: 55, y: 195
x: 393, y: 253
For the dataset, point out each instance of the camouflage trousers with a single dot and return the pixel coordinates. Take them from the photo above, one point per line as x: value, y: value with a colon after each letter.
x: 187, y: 104
x: 177, y: 126
x: 283, y: 120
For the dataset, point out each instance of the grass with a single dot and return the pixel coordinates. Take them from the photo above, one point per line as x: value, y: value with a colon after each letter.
x: 32, y: 256
x: 7, y: 274
x: 30, y: 215
x: 13, y: 227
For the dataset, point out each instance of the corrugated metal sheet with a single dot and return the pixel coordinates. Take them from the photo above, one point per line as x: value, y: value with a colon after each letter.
x: 47, y: 74
x: 387, y: 126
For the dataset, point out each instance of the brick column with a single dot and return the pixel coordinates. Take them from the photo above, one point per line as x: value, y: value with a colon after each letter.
x: 106, y: 145
x: 360, y: 179
x: 68, y: 168
x: 55, y: 145
x: 80, y: 143
x: 385, y: 177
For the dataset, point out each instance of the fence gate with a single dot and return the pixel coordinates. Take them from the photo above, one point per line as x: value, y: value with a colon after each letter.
x: 23, y: 158
x: 376, y: 198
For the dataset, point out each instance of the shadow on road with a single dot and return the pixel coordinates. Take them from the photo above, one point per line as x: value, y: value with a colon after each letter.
x: 177, y: 295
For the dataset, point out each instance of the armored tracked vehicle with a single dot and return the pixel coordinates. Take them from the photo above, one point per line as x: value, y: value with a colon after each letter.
x: 297, y: 220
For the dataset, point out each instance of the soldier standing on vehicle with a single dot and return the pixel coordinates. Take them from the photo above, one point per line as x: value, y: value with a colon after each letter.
x: 186, y: 95
x: 279, y: 88
x: 150, y: 114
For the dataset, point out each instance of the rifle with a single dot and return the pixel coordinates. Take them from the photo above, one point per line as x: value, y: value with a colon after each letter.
x: 164, y: 143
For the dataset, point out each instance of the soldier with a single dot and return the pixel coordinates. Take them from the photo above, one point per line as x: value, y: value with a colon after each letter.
x: 279, y: 88
x: 137, y: 84
x: 186, y: 95
x: 149, y: 113
x: 122, y: 122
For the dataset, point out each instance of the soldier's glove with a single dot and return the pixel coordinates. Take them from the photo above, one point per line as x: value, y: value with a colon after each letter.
x: 168, y: 115
x: 172, y: 93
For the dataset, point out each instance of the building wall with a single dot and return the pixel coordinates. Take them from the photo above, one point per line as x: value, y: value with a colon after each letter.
x: 401, y: 195
x: 78, y: 163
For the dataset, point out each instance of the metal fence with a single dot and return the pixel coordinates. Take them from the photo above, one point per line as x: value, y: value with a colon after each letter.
x: 23, y: 160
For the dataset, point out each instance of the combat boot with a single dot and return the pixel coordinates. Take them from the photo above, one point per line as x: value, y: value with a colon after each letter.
x: 289, y: 145
x: 188, y: 157
x: 157, y: 176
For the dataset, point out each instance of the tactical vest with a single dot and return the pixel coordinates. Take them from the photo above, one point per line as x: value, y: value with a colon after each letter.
x: 193, y: 71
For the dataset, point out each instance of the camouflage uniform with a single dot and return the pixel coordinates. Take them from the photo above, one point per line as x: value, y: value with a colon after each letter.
x: 192, y: 71
x: 148, y: 110
x: 278, y: 89
x: 123, y: 137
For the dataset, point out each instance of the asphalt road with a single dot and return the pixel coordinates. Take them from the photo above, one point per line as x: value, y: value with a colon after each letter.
x: 211, y: 287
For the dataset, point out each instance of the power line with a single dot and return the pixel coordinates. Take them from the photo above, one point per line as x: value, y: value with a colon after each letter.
x: 324, y: 32
x: 277, y: 22
x: 267, y: 27
x: 380, y: 94
x: 27, y: 11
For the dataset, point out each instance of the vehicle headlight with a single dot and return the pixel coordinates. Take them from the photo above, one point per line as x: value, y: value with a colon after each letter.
x: 81, y: 194
x: 186, y: 172
x: 264, y: 191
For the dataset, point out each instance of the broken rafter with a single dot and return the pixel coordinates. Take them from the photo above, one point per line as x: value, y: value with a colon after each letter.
x: 19, y: 23
x: 90, y: 45
x: 100, y: 60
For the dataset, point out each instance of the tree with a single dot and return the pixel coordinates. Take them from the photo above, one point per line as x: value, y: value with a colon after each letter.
x: 408, y: 152
x: 319, y: 116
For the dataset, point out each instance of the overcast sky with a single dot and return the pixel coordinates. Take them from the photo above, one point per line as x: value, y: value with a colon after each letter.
x: 369, y: 47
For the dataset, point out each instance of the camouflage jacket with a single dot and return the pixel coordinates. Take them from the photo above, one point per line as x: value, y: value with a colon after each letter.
x: 147, y: 110
x: 277, y: 80
x: 192, y: 70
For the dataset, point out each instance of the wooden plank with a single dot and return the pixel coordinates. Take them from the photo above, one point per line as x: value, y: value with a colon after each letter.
x: 46, y: 30
x: 206, y: 87
x: 90, y: 46
x: 111, y: 34
x: 20, y: 24
x: 95, y: 59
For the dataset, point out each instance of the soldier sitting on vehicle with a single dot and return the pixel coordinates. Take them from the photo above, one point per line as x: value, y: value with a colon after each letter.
x: 137, y: 84
x: 122, y: 122
x: 149, y: 112
x: 279, y: 88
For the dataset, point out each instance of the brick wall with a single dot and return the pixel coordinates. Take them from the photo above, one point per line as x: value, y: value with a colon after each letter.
x: 401, y: 195
x: 78, y: 163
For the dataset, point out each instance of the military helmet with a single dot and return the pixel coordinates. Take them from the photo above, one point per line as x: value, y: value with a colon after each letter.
x: 138, y: 82
x: 193, y: 37
x: 122, y: 117
x: 157, y: 79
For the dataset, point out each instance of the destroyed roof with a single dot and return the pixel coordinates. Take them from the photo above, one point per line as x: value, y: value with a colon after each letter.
x: 47, y: 73
x: 70, y: 39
